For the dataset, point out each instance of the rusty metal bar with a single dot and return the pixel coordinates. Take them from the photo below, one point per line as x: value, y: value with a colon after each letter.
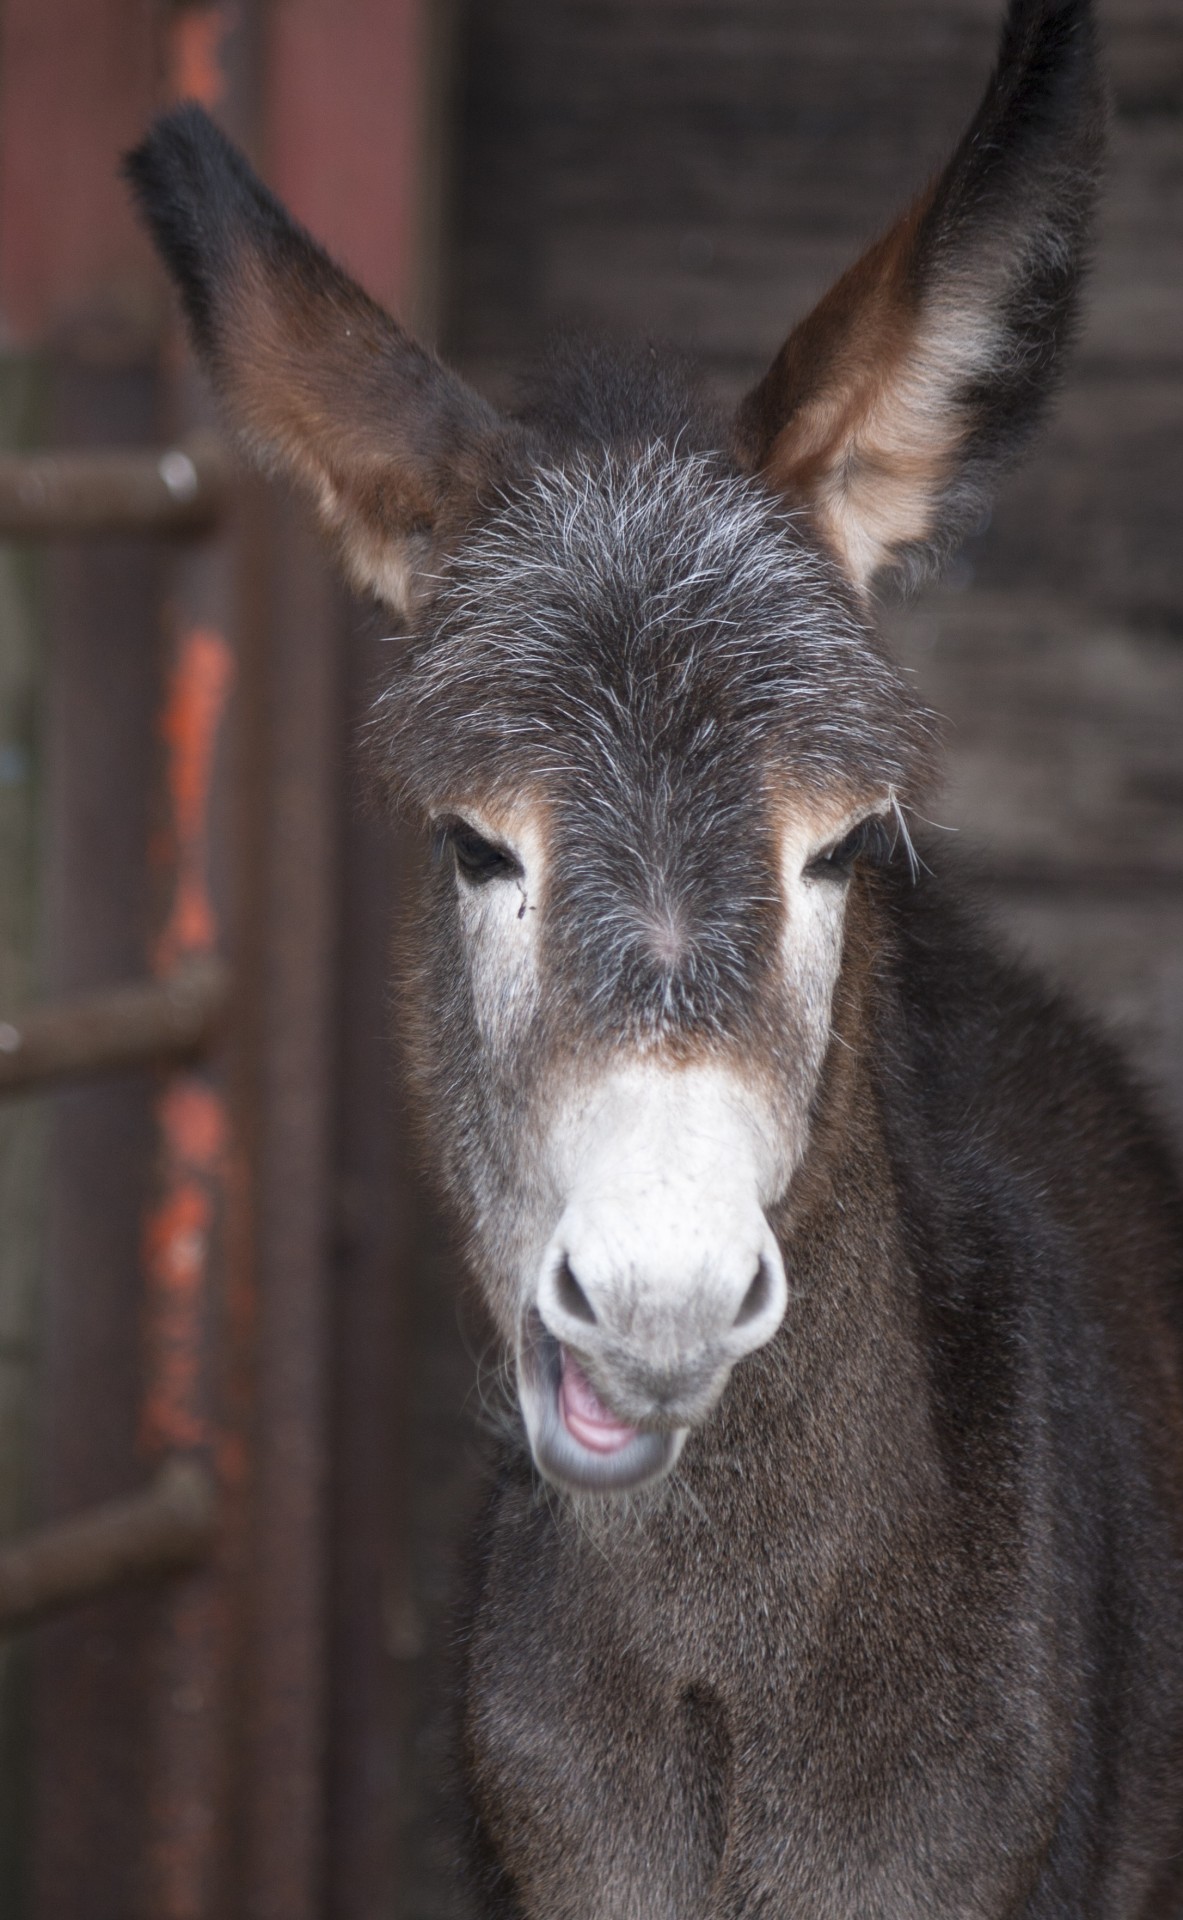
x: 168, y: 1528
x: 94, y: 1033
x: 53, y: 496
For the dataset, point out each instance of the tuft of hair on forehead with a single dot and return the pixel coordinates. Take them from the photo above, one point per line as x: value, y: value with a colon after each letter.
x: 618, y: 616
x: 587, y: 392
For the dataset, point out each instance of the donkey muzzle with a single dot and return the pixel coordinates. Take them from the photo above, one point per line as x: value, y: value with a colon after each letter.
x: 615, y: 1370
x: 661, y: 1272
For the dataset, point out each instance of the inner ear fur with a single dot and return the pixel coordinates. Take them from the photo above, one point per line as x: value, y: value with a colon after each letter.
x: 317, y: 379
x: 892, y: 409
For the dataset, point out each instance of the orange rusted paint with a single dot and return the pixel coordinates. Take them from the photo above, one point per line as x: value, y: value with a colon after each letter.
x: 197, y: 696
x: 175, y: 1266
x: 191, y: 1114
x: 195, y: 53
x: 192, y: 1124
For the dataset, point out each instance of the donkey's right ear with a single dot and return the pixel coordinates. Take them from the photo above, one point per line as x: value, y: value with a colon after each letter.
x: 314, y: 375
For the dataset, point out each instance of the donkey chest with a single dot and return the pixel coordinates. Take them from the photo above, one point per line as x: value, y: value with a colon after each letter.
x: 634, y: 1752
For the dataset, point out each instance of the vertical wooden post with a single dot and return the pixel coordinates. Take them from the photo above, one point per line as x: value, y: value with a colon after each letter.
x: 200, y: 1255
x: 347, y: 137
x: 22, y: 1129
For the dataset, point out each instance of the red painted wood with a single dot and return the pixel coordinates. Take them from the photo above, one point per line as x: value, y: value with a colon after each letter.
x: 78, y: 81
x: 344, y: 96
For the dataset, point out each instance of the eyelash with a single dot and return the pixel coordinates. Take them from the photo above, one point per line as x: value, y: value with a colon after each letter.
x: 870, y: 842
x: 477, y: 859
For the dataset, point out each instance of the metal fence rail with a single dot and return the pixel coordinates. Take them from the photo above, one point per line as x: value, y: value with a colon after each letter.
x: 147, y: 1023
x: 56, y: 496
x: 170, y: 1527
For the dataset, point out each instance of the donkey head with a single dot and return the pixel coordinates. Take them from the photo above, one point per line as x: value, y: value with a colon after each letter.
x: 643, y: 712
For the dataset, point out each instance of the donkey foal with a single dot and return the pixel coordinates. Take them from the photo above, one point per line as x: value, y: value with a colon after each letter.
x: 832, y: 1566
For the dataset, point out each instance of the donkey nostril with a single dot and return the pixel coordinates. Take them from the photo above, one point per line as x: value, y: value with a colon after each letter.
x: 571, y: 1296
x: 756, y: 1298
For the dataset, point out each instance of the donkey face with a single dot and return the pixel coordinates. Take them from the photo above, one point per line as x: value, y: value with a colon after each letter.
x: 655, y: 738
x: 644, y: 717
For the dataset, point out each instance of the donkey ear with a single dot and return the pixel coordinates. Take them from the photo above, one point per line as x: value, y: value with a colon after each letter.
x: 892, y: 409
x: 317, y: 378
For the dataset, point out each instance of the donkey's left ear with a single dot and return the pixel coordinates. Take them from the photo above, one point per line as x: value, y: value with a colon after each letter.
x: 891, y: 410
x: 316, y: 378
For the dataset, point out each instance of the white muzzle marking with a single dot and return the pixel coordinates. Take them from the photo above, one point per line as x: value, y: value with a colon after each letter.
x: 662, y: 1273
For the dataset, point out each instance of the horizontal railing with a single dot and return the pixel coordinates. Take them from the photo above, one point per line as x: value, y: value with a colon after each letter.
x: 177, y: 490
x: 168, y: 1528
x: 148, y: 1023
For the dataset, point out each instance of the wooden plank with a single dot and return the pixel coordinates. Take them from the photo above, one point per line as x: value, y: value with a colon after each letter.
x: 22, y: 1134
x: 348, y: 95
x: 698, y: 173
x: 1065, y: 793
x: 1062, y: 734
x: 93, y: 1682
x: 79, y: 81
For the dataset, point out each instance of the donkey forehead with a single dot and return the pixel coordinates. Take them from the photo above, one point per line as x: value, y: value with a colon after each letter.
x: 638, y: 625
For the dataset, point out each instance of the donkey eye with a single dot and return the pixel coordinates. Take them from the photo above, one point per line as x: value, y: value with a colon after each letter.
x: 477, y: 859
x: 870, y: 844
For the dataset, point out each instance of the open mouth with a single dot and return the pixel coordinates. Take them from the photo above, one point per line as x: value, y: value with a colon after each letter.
x: 584, y: 1414
x: 577, y: 1442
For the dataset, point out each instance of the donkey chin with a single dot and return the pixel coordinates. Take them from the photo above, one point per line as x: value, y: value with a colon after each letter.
x: 663, y: 1272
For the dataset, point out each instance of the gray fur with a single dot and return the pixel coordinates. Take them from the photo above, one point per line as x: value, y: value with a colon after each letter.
x: 656, y: 646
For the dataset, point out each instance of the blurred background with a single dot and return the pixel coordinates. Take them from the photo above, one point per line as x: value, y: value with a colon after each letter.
x: 237, y: 1408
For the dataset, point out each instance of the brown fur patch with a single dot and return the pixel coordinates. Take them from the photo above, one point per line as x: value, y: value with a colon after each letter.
x: 394, y: 448
x: 856, y: 416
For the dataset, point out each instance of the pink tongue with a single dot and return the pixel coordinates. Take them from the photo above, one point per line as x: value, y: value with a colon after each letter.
x: 585, y: 1416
